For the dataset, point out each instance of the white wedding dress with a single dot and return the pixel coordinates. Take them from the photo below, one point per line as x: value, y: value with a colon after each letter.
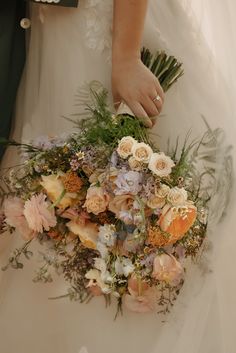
x: 68, y: 47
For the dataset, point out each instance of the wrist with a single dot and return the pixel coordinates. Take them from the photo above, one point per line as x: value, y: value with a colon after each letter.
x: 121, y: 57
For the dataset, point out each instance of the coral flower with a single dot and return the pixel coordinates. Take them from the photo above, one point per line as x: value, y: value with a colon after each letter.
x: 141, y: 297
x: 176, y: 221
x: 167, y: 268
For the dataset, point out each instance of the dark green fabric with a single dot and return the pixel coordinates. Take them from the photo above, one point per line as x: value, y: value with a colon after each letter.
x: 12, y: 57
x: 66, y: 3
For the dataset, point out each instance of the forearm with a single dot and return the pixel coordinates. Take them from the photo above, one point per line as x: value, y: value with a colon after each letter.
x: 128, y: 24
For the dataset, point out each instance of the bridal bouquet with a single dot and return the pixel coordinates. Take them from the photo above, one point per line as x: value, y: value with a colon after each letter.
x: 115, y: 216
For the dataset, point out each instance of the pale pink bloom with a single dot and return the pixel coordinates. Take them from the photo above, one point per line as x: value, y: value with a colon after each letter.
x: 38, y: 213
x: 141, y: 304
x: 141, y: 297
x: 69, y: 213
x: 14, y: 212
x: 167, y: 268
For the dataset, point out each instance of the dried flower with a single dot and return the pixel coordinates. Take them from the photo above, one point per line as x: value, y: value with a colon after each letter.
x: 156, y: 237
x: 72, y: 182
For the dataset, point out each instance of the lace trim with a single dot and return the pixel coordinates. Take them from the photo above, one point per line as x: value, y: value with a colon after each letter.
x: 98, y: 16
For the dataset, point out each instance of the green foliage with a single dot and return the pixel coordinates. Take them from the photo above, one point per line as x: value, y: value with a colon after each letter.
x: 166, y: 68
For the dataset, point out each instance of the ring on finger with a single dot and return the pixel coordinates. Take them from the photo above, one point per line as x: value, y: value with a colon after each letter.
x: 157, y: 99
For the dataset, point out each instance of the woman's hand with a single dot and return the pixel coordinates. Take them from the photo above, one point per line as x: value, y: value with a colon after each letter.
x: 132, y: 81
x: 134, y: 84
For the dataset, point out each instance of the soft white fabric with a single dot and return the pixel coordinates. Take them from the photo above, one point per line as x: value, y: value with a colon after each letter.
x: 66, y: 48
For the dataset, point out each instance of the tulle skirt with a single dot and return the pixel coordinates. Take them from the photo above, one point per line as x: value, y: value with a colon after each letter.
x: 68, y: 47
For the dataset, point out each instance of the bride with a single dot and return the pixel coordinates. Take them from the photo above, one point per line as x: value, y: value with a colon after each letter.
x: 99, y: 41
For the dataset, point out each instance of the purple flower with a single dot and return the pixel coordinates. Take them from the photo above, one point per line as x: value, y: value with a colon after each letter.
x: 128, y: 183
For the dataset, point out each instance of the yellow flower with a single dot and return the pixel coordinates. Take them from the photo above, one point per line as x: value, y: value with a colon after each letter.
x: 88, y: 233
x: 54, y: 188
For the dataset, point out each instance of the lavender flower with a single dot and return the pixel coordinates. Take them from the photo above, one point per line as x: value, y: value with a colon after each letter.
x: 128, y: 183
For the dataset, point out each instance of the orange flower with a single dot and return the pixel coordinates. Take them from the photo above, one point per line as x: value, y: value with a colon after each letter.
x: 72, y: 182
x: 176, y: 221
x: 157, y: 238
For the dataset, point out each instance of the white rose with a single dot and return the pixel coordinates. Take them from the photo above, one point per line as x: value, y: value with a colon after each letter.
x: 177, y: 196
x: 125, y: 146
x: 142, y: 152
x: 160, y: 164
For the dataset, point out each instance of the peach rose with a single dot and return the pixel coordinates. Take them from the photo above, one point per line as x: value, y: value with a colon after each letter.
x: 87, y: 232
x: 176, y: 221
x: 142, y: 152
x: 125, y: 146
x: 166, y: 268
x: 121, y: 203
x: 96, y: 200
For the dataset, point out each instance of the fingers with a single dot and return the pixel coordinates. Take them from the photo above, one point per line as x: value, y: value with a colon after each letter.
x: 140, y: 113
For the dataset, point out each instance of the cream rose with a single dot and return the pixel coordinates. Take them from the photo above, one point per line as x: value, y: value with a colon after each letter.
x: 156, y: 202
x: 121, y: 203
x: 162, y: 191
x: 177, y: 196
x: 54, y: 188
x: 135, y: 164
x: 125, y: 146
x: 96, y: 200
x: 160, y: 164
x: 142, y: 152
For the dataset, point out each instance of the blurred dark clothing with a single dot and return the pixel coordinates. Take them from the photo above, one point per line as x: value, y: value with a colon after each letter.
x: 12, y: 58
